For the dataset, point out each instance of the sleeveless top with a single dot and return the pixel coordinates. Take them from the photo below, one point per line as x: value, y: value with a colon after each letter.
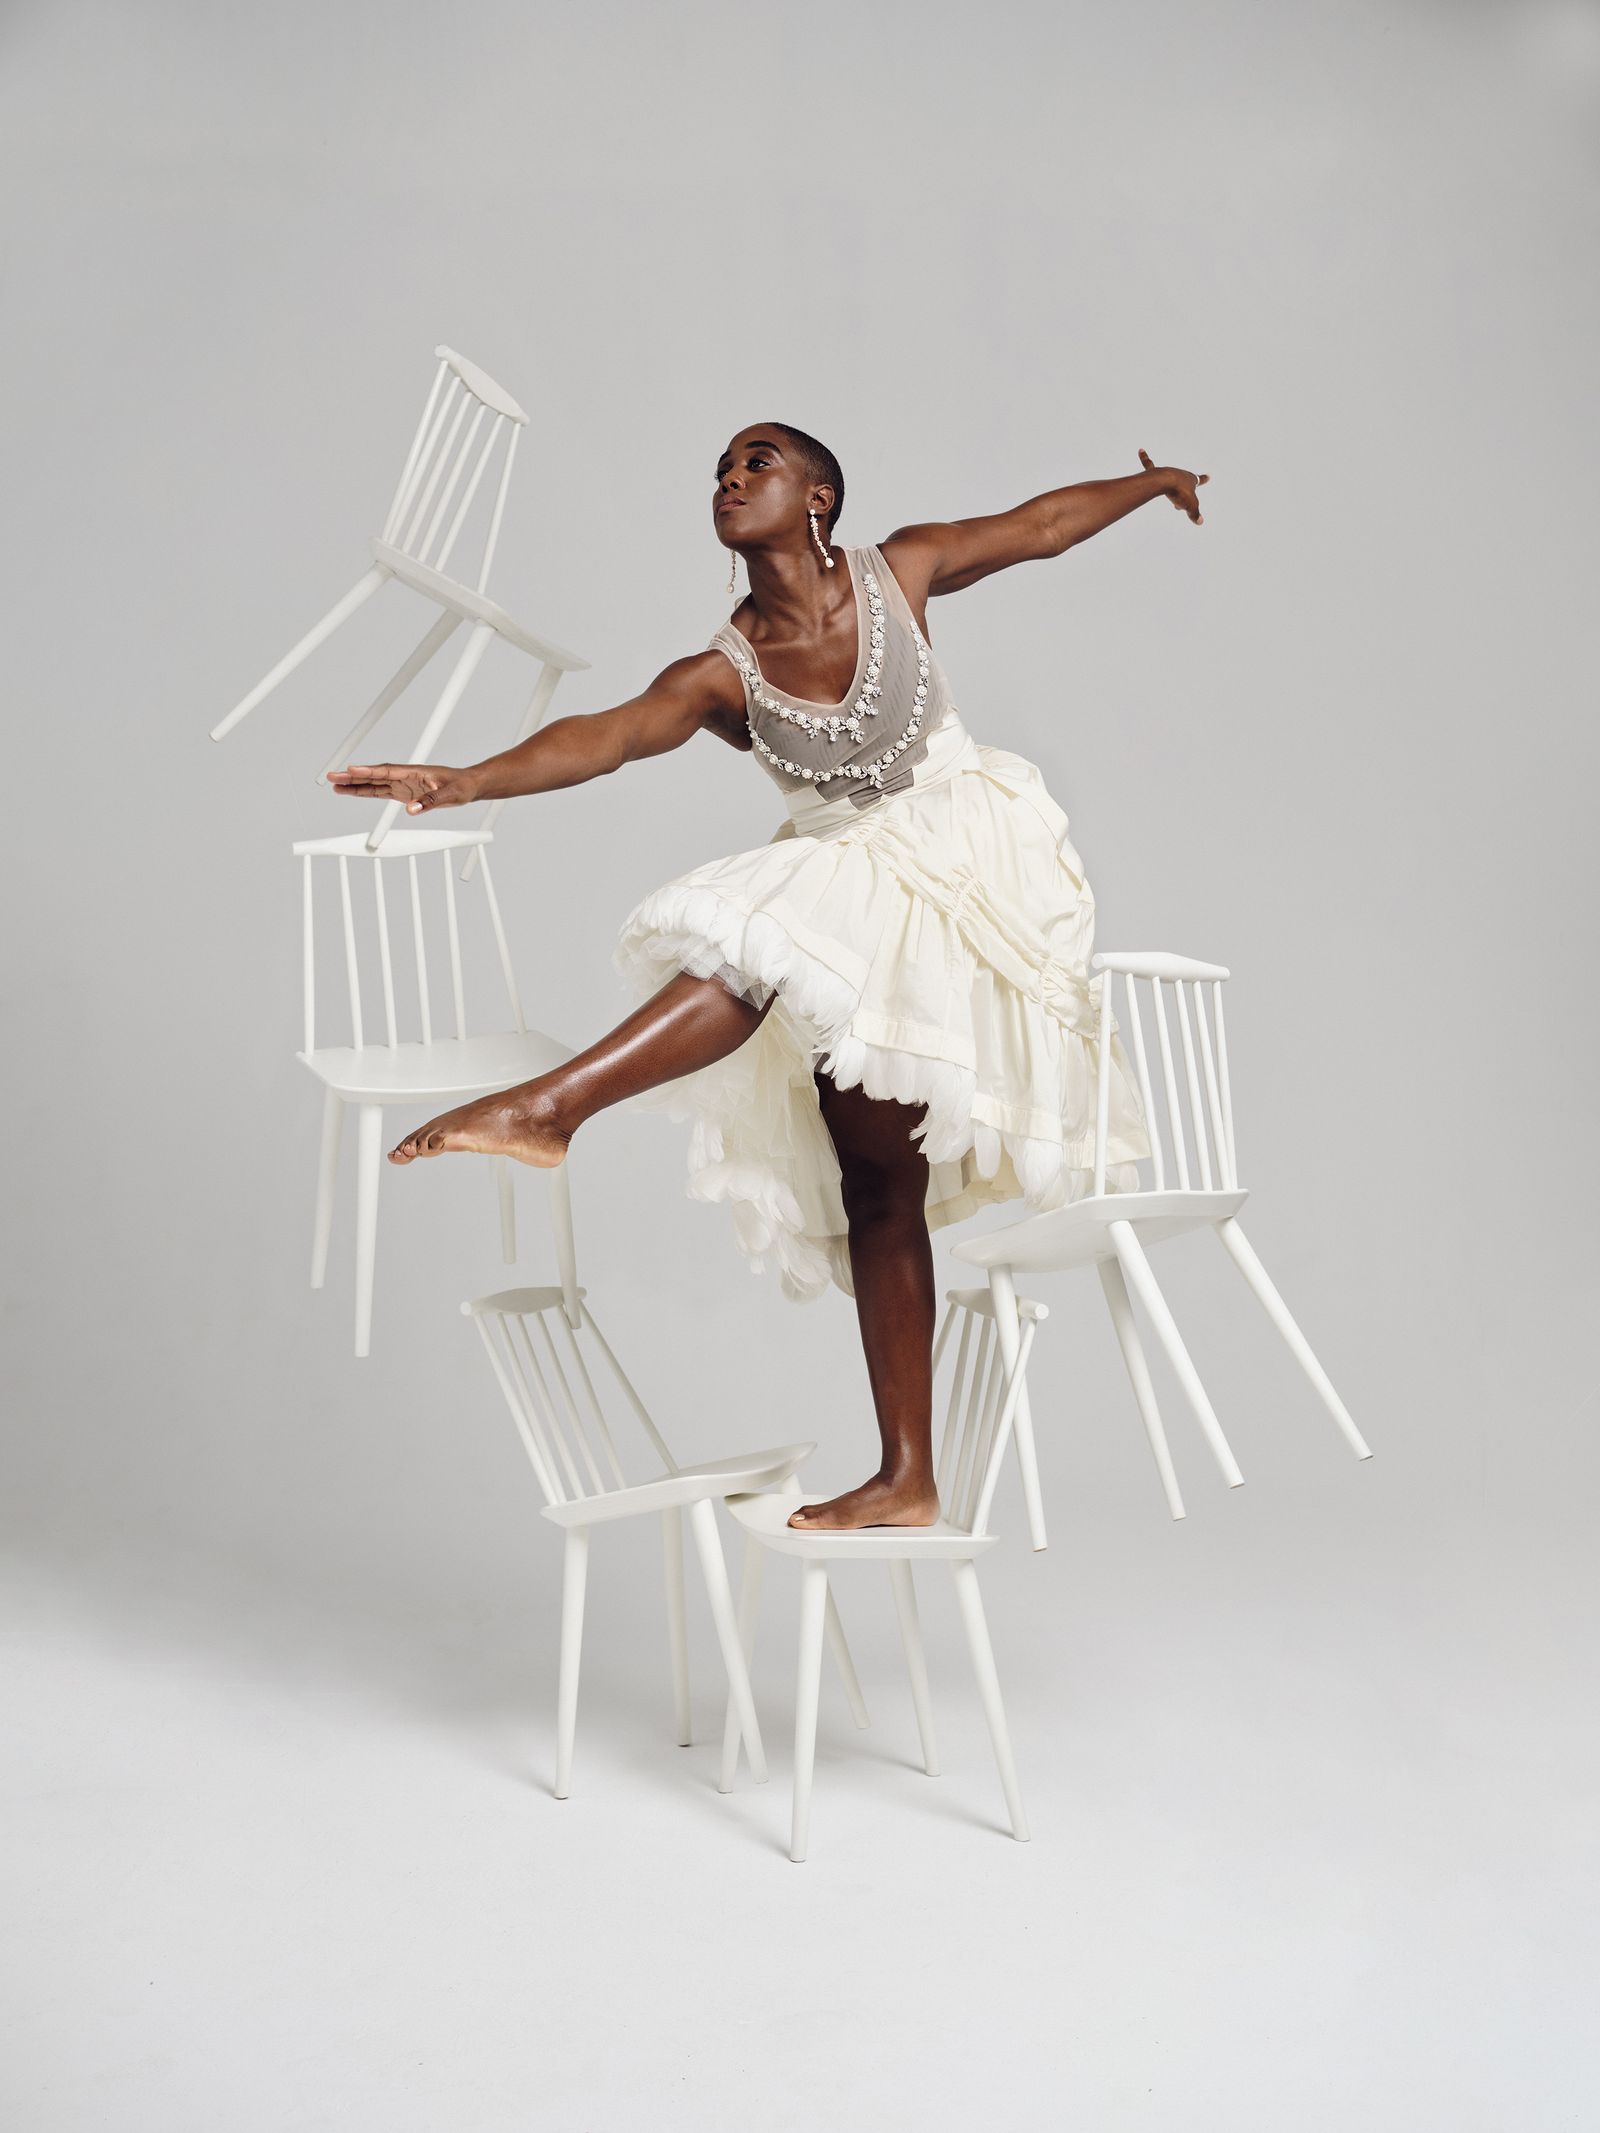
x: 873, y: 740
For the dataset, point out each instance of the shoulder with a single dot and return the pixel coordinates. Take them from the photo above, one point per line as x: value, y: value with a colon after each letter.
x: 911, y: 555
x: 715, y: 679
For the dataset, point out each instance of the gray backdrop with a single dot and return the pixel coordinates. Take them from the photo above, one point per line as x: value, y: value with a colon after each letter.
x: 1339, y: 737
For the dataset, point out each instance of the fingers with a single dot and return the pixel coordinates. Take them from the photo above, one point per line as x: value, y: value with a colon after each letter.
x: 362, y: 777
x: 385, y: 781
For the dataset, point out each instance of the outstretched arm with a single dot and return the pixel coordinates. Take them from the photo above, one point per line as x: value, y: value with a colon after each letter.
x: 943, y: 558
x: 702, y: 690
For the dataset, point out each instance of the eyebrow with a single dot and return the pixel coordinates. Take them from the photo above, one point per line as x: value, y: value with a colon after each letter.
x: 765, y: 442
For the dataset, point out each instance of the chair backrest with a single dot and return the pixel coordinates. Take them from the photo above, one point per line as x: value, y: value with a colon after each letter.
x: 410, y: 856
x: 981, y: 1405
x: 467, y: 422
x: 541, y: 1362
x: 1168, y: 1095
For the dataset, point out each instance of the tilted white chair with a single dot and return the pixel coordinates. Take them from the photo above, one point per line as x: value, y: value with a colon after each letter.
x: 977, y: 1427
x: 430, y: 1072
x: 418, y: 540
x: 573, y: 1451
x: 1110, y: 1230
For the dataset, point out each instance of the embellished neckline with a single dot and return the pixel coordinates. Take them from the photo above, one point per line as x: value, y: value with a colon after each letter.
x: 841, y: 720
x: 864, y: 648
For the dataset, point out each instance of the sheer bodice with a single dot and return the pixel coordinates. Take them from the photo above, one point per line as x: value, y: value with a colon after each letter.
x: 875, y: 740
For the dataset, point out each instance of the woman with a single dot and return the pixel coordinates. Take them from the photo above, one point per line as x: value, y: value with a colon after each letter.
x: 882, y: 1019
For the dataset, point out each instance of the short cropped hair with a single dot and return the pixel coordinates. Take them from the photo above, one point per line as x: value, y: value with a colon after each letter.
x: 820, y: 465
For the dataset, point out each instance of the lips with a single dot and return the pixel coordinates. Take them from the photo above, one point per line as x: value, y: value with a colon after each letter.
x: 731, y: 503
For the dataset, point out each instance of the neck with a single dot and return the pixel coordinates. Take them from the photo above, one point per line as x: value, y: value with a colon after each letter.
x: 793, y: 589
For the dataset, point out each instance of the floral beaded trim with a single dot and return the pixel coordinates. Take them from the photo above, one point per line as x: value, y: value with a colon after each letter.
x: 863, y: 707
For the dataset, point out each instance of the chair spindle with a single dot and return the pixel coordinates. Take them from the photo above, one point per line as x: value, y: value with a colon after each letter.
x: 420, y: 947
x: 397, y: 506
x: 1180, y: 1153
x: 352, y: 970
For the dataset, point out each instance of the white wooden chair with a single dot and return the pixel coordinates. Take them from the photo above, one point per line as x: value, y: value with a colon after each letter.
x: 1110, y: 1230
x: 426, y: 1073
x: 977, y: 1427
x: 419, y: 538
x: 572, y: 1448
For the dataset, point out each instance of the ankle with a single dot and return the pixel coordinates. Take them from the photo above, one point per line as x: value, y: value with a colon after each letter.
x: 547, y: 1109
x: 911, y: 1478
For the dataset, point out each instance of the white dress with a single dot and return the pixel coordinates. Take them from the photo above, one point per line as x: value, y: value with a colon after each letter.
x: 924, y: 920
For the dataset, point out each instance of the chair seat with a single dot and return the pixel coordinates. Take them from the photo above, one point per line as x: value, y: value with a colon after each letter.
x: 768, y: 1518
x: 1078, y: 1234
x: 710, y: 1477
x: 449, y: 1066
x: 462, y: 600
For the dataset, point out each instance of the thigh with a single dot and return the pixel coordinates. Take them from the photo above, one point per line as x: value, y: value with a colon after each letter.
x: 872, y: 1134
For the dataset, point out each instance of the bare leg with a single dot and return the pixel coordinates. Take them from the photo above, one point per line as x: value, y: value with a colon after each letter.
x: 884, y: 1180
x: 689, y: 1023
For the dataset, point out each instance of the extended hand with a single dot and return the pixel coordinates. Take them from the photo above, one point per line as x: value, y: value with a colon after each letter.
x: 420, y: 785
x: 1182, y: 485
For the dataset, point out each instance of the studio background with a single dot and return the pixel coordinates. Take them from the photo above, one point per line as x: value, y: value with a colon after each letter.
x: 1311, y: 1773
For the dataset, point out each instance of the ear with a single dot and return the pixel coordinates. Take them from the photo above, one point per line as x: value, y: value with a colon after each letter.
x: 821, y: 499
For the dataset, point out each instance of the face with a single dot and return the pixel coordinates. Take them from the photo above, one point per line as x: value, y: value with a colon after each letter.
x: 762, y: 491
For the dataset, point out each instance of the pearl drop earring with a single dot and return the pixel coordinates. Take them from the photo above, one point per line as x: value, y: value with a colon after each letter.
x: 733, y: 565
x: 816, y: 542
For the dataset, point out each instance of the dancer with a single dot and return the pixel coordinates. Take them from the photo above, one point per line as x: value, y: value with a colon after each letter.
x: 883, y: 1018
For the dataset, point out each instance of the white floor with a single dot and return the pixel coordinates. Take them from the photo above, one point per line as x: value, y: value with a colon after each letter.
x: 1309, y: 1850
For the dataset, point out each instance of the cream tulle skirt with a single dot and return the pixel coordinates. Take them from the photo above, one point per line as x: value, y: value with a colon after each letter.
x: 932, y: 947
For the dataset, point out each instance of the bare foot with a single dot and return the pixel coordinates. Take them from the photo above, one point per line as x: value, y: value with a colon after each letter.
x: 876, y: 1503
x: 510, y: 1123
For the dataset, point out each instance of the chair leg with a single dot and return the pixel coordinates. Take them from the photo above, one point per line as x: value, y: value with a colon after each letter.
x: 905, y: 1606
x: 749, y: 1608
x: 843, y: 1661
x: 703, y: 1520
x: 790, y: 1486
x: 1131, y: 1255
x: 1004, y: 1294
x: 327, y: 1173
x: 508, y: 1210
x: 369, y: 1156
x: 966, y: 1577
x: 390, y: 693
x: 341, y: 611
x: 460, y: 674
x: 1242, y: 1253
x: 558, y: 1185
x: 813, y: 1609
x: 574, y: 1576
x: 677, y: 1630
x: 1144, y: 1392
x: 533, y: 717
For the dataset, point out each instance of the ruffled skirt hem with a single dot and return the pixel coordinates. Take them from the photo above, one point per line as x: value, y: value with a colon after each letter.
x: 759, y: 1142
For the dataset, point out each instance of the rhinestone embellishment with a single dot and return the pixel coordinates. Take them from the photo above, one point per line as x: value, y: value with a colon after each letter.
x: 849, y: 722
